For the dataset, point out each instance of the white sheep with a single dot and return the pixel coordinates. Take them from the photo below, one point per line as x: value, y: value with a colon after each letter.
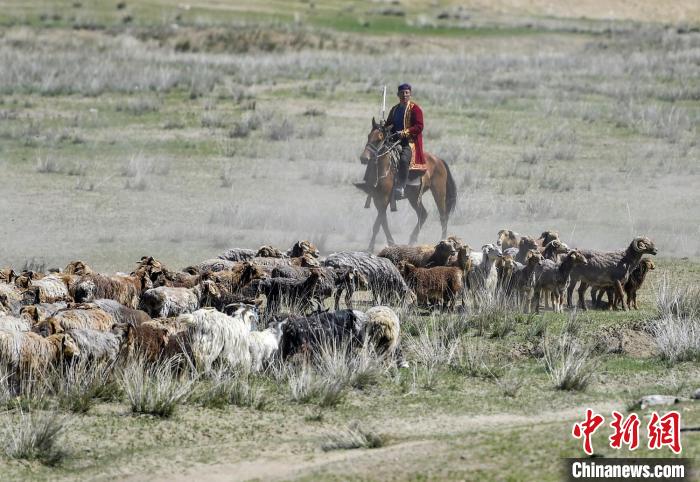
x: 264, y: 344
x: 95, y: 345
x: 382, y: 329
x: 10, y: 323
x: 483, y: 276
x: 218, y: 338
x: 51, y: 288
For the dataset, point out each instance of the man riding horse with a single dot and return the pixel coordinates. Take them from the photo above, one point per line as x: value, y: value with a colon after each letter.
x: 406, y: 120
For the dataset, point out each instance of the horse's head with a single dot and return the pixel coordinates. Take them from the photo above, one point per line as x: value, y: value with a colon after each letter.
x: 375, y: 141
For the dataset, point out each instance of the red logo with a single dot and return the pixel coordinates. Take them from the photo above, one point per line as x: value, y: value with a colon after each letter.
x: 666, y: 431
x: 587, y: 428
x: 626, y: 432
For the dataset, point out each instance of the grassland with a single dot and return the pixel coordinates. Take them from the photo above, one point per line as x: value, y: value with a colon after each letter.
x: 178, y: 132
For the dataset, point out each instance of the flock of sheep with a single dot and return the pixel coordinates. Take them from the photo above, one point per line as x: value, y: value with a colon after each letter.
x: 209, y: 313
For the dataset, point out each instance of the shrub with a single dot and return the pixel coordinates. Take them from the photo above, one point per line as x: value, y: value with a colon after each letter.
x: 352, y: 437
x: 154, y: 389
x: 567, y: 362
x: 227, y: 389
x: 35, y: 436
x: 678, y: 338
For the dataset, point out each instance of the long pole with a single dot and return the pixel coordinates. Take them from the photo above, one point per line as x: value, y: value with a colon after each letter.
x: 383, y: 102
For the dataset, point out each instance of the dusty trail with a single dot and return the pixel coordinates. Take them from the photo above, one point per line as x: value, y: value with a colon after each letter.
x: 427, y: 447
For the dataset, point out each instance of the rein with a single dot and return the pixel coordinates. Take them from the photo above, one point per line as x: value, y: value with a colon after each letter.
x: 381, y: 150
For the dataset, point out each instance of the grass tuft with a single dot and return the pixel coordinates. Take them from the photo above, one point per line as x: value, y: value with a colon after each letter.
x: 35, y: 436
x: 352, y: 437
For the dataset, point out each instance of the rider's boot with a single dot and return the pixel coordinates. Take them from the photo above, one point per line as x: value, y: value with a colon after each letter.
x: 401, y: 180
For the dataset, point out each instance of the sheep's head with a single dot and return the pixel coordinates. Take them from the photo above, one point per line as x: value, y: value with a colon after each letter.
x: 507, y: 239
x: 548, y: 236
x: 533, y: 257
x: 268, y: 252
x: 527, y: 243
x: 577, y: 257
x: 78, y: 268
x: 143, y: 279
x: 505, y: 263
x: 247, y: 312
x: 7, y: 275
x: 251, y: 272
x: 490, y: 251
x: 445, y: 249
x: 309, y: 261
x: 455, y: 241
x: 557, y: 247
x: 301, y: 247
x: 31, y: 313
x: 647, y: 264
x: 644, y: 245
x: 69, y: 348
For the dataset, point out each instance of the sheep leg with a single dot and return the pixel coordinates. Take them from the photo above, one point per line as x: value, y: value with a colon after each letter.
x: 570, y: 294
x: 582, y: 287
x: 348, y: 298
x: 422, y: 214
x: 620, y: 292
x: 536, y: 301
x: 338, y: 294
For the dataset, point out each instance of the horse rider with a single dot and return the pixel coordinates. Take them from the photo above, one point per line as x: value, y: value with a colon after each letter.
x: 406, y: 120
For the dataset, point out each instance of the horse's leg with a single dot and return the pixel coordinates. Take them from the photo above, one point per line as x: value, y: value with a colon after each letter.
x: 375, y: 229
x: 385, y: 227
x: 421, y: 212
x: 439, y: 190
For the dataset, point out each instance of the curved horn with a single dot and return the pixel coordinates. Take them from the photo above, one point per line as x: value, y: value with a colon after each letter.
x: 638, y: 244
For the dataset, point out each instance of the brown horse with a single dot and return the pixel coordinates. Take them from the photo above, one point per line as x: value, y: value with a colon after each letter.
x: 437, y: 178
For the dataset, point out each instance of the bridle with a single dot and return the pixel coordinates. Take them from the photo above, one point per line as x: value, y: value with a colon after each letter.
x: 381, y: 150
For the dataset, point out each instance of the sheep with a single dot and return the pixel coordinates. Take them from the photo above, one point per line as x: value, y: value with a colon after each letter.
x: 121, y: 313
x: 165, y: 301
x: 11, y: 298
x: 11, y: 323
x: 507, y: 239
x: 523, y: 279
x: 436, y: 284
x: 51, y: 288
x: 126, y: 289
x: 78, y: 316
x: 162, y: 276
x: 483, y: 276
x: 553, y: 277
x: 635, y: 281
x: 384, y: 279
x: 96, y: 345
x: 7, y: 275
x: 237, y: 254
x: 300, y: 248
x: 382, y: 329
x: 148, y: 340
x: 218, y: 338
x: 520, y: 254
x: 269, y: 252
x: 423, y: 256
x: 211, y: 265
x: 608, y: 269
x: 304, y: 335
x: 264, y: 344
x: 553, y: 249
x: 505, y: 266
x: 26, y: 277
x: 26, y: 352
x: 41, y: 311
x: 331, y: 280
x: 297, y: 292
x: 547, y: 237
x: 234, y: 286
x: 77, y: 268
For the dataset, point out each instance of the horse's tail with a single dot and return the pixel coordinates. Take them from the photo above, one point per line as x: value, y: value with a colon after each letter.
x: 451, y: 197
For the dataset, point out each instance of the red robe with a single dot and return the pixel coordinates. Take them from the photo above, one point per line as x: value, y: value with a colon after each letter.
x: 413, y: 121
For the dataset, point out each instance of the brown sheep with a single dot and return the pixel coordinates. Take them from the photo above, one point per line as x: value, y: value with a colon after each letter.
x: 78, y: 316
x: 507, y: 239
x: 635, y: 281
x: 78, y: 268
x: 149, y: 339
x: 232, y: 282
x: 439, y: 283
x: 547, y: 237
x: 7, y: 275
x: 422, y: 256
x: 300, y: 248
x: 520, y: 254
x: 269, y: 252
x: 505, y: 265
x: 126, y: 289
x: 26, y: 352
